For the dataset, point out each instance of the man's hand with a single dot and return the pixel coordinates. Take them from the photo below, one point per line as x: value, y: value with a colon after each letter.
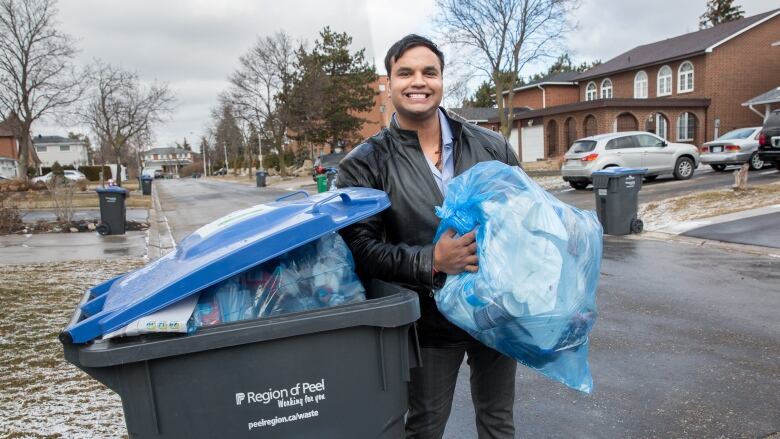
x: 453, y: 256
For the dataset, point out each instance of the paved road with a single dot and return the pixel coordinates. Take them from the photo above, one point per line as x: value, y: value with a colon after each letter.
x: 763, y: 230
x: 686, y: 344
x: 190, y: 203
x: 666, y: 186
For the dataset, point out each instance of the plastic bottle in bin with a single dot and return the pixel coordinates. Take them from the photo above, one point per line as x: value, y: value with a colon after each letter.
x: 316, y: 275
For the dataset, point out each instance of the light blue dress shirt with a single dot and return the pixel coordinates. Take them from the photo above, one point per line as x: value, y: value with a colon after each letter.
x: 444, y: 176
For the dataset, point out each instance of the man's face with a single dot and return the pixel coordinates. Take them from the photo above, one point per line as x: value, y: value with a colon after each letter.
x: 416, y: 84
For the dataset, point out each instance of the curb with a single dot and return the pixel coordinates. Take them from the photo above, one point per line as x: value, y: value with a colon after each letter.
x: 159, y: 239
x: 699, y: 242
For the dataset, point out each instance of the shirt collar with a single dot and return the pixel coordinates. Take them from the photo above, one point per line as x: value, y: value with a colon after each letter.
x: 446, y: 130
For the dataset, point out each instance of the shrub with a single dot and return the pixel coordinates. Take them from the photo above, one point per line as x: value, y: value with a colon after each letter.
x: 190, y: 169
x: 93, y: 172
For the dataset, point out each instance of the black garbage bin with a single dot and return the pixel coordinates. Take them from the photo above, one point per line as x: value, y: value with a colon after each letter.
x: 260, y: 177
x: 146, y: 184
x: 334, y: 372
x: 112, y: 210
x: 617, y: 195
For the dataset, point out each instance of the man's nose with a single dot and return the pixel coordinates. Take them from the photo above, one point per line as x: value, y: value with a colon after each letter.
x: 418, y: 79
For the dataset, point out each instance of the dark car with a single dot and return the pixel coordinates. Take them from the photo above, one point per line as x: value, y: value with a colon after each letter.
x: 325, y: 162
x: 769, y: 140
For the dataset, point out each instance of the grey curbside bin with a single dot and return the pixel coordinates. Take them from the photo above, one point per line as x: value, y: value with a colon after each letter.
x: 146, y: 184
x: 334, y: 372
x: 340, y: 372
x: 617, y: 196
x: 112, y: 210
x: 260, y: 177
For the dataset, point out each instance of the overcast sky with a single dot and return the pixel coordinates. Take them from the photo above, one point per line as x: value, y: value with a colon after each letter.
x: 193, y: 45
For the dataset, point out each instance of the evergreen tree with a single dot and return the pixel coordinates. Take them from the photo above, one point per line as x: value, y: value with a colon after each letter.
x: 332, y: 85
x: 720, y: 11
x: 484, y: 96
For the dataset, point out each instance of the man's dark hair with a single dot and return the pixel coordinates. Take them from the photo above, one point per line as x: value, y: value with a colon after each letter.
x: 397, y: 50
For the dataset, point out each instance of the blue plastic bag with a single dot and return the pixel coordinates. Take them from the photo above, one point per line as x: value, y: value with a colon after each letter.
x: 534, y: 295
x: 316, y: 275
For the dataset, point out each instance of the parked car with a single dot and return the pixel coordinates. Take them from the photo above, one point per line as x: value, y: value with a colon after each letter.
x: 733, y: 148
x: 220, y: 171
x: 325, y: 162
x: 769, y: 139
x: 633, y: 149
x: 70, y: 175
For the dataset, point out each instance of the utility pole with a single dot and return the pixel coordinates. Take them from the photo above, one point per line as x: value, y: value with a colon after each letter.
x: 227, y: 167
x: 260, y: 145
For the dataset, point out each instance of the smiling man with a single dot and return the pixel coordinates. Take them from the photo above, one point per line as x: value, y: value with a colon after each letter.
x: 413, y: 160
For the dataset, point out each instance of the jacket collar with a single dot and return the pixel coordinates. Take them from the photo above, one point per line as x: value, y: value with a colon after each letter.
x: 409, y: 137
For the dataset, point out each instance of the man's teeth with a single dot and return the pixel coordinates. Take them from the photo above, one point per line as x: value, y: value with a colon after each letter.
x: 418, y: 95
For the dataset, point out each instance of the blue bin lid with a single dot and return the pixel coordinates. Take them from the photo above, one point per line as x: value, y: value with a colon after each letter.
x: 112, y: 189
x: 147, y: 177
x: 616, y: 172
x: 219, y: 250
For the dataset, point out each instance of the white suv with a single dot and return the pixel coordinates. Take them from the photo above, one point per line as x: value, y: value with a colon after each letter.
x: 632, y: 149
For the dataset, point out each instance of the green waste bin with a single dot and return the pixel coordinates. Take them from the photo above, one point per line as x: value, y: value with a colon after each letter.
x: 617, y: 198
x: 322, y: 183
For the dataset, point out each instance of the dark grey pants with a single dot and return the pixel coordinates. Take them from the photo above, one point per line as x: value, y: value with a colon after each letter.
x: 433, y: 386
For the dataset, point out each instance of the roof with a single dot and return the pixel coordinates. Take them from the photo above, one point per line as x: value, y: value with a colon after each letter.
x: 480, y: 114
x: 560, y: 78
x: 694, y: 43
x: 168, y: 150
x: 616, y: 103
x: 10, y: 126
x: 770, y: 97
x: 54, y: 139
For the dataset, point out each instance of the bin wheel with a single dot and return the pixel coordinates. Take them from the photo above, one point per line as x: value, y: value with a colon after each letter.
x: 103, y: 229
x: 637, y: 226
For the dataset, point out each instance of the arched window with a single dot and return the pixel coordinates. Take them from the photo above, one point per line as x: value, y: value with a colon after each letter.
x: 686, y: 127
x: 590, y: 91
x: 626, y: 122
x: 640, y: 85
x: 589, y: 126
x: 658, y: 124
x: 685, y: 77
x: 570, y: 131
x: 664, y: 86
x: 606, y: 89
x: 552, y: 139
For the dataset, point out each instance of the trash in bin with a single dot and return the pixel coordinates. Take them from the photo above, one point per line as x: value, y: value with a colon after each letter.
x: 332, y: 175
x: 289, y: 375
x: 534, y: 296
x: 112, y: 210
x: 617, y: 199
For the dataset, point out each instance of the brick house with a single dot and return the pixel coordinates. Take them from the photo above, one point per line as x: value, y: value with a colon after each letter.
x: 10, y: 140
x: 688, y: 89
x: 169, y: 160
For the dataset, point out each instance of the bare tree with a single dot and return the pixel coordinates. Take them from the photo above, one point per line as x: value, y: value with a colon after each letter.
x: 264, y: 73
x: 37, y: 74
x: 500, y: 37
x: 121, y: 111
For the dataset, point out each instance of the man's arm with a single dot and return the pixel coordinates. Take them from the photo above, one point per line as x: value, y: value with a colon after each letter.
x: 407, y: 264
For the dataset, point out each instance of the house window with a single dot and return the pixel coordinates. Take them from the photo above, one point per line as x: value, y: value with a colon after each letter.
x: 686, y: 127
x: 64, y: 147
x: 40, y: 149
x: 590, y: 91
x: 640, y: 85
x: 606, y: 89
x: 685, y: 77
x: 664, y: 81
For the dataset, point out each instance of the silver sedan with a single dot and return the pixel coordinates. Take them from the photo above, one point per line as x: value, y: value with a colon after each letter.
x: 733, y: 148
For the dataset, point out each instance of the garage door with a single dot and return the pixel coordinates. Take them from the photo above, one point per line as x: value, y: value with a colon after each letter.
x: 533, y: 143
x: 513, y: 140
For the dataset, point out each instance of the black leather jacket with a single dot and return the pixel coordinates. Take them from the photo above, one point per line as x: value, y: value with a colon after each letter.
x: 397, y: 245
